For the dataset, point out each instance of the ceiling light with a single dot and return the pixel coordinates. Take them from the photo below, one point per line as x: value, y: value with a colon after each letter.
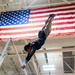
x: 48, y: 67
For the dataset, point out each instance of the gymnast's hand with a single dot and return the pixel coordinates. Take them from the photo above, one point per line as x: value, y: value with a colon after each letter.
x: 23, y: 66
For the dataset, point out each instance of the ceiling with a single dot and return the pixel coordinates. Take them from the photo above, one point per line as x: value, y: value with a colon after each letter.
x: 10, y: 5
x: 57, y: 51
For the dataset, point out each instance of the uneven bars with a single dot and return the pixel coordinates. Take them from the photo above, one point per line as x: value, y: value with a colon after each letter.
x: 18, y: 57
x: 4, y: 52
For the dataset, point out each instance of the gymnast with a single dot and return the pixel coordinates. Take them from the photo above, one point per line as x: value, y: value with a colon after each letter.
x: 38, y: 43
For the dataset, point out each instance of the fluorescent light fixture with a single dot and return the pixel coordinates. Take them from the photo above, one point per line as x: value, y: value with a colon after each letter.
x: 48, y: 67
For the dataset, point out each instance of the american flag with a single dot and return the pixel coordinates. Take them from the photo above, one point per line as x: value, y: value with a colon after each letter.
x: 25, y: 24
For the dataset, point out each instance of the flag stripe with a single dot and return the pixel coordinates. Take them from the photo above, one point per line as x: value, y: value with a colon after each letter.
x: 63, y: 34
x: 32, y: 13
x: 57, y: 6
x: 57, y: 13
x: 14, y: 32
x: 55, y: 21
x: 57, y: 17
x: 62, y: 23
x: 33, y: 31
x: 64, y: 28
x: 35, y: 36
x: 61, y: 8
x: 18, y: 28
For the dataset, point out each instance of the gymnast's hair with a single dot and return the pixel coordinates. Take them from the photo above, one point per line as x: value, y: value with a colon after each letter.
x: 26, y: 46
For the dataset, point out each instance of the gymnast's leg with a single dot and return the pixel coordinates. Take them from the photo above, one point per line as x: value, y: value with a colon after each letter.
x: 47, y: 27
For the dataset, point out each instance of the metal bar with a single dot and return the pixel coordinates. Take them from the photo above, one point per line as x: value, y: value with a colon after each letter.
x: 20, y: 4
x: 35, y: 66
x: 14, y: 64
x: 55, y: 50
x: 66, y: 1
x: 50, y: 4
x: 19, y: 57
x: 48, y: 1
x: 31, y: 68
x: 25, y: 3
x: 25, y: 41
x: 31, y: 4
x: 11, y: 67
x: 3, y: 70
x: 4, y: 51
x: 10, y: 4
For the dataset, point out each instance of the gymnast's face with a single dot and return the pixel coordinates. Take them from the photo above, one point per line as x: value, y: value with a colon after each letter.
x: 29, y: 49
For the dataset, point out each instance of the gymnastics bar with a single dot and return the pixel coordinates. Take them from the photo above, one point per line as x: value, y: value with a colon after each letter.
x: 4, y: 51
x: 12, y: 42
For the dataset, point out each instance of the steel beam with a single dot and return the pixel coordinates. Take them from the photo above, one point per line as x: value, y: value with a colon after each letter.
x: 24, y: 70
x: 25, y: 3
x: 31, y: 4
x: 4, y: 71
x: 4, y: 51
x: 55, y: 50
x: 35, y: 66
x: 42, y: 5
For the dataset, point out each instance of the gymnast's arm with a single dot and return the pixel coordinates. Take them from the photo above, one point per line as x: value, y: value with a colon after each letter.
x: 30, y: 54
